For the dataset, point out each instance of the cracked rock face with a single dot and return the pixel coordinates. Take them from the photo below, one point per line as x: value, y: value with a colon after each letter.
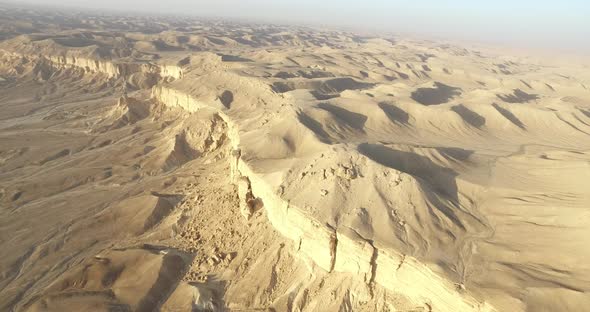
x: 247, y: 200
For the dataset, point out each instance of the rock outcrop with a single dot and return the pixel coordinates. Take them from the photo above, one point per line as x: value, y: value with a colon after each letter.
x: 332, y: 250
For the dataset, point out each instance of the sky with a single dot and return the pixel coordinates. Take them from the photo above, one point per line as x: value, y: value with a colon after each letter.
x: 559, y: 24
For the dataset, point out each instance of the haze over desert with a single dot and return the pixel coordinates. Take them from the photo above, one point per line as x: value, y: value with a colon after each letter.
x: 170, y: 163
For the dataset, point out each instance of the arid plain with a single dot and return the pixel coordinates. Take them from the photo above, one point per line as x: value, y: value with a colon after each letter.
x: 152, y: 163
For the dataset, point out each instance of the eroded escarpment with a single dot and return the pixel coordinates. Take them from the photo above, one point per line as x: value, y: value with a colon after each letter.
x: 111, y: 68
x: 333, y: 250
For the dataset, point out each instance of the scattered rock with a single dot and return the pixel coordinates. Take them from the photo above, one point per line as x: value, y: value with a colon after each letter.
x: 246, y: 198
x: 345, y: 172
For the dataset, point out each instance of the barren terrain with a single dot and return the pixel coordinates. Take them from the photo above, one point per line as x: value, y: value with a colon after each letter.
x: 173, y: 164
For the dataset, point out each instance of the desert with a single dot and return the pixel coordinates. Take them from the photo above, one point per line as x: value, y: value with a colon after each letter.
x: 152, y: 163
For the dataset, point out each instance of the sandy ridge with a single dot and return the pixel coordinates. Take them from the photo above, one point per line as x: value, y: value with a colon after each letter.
x: 333, y: 250
x: 109, y: 68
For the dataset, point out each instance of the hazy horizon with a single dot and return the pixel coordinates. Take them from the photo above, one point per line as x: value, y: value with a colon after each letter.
x: 525, y: 24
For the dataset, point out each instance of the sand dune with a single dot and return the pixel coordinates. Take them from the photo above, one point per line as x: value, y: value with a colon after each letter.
x: 181, y: 165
